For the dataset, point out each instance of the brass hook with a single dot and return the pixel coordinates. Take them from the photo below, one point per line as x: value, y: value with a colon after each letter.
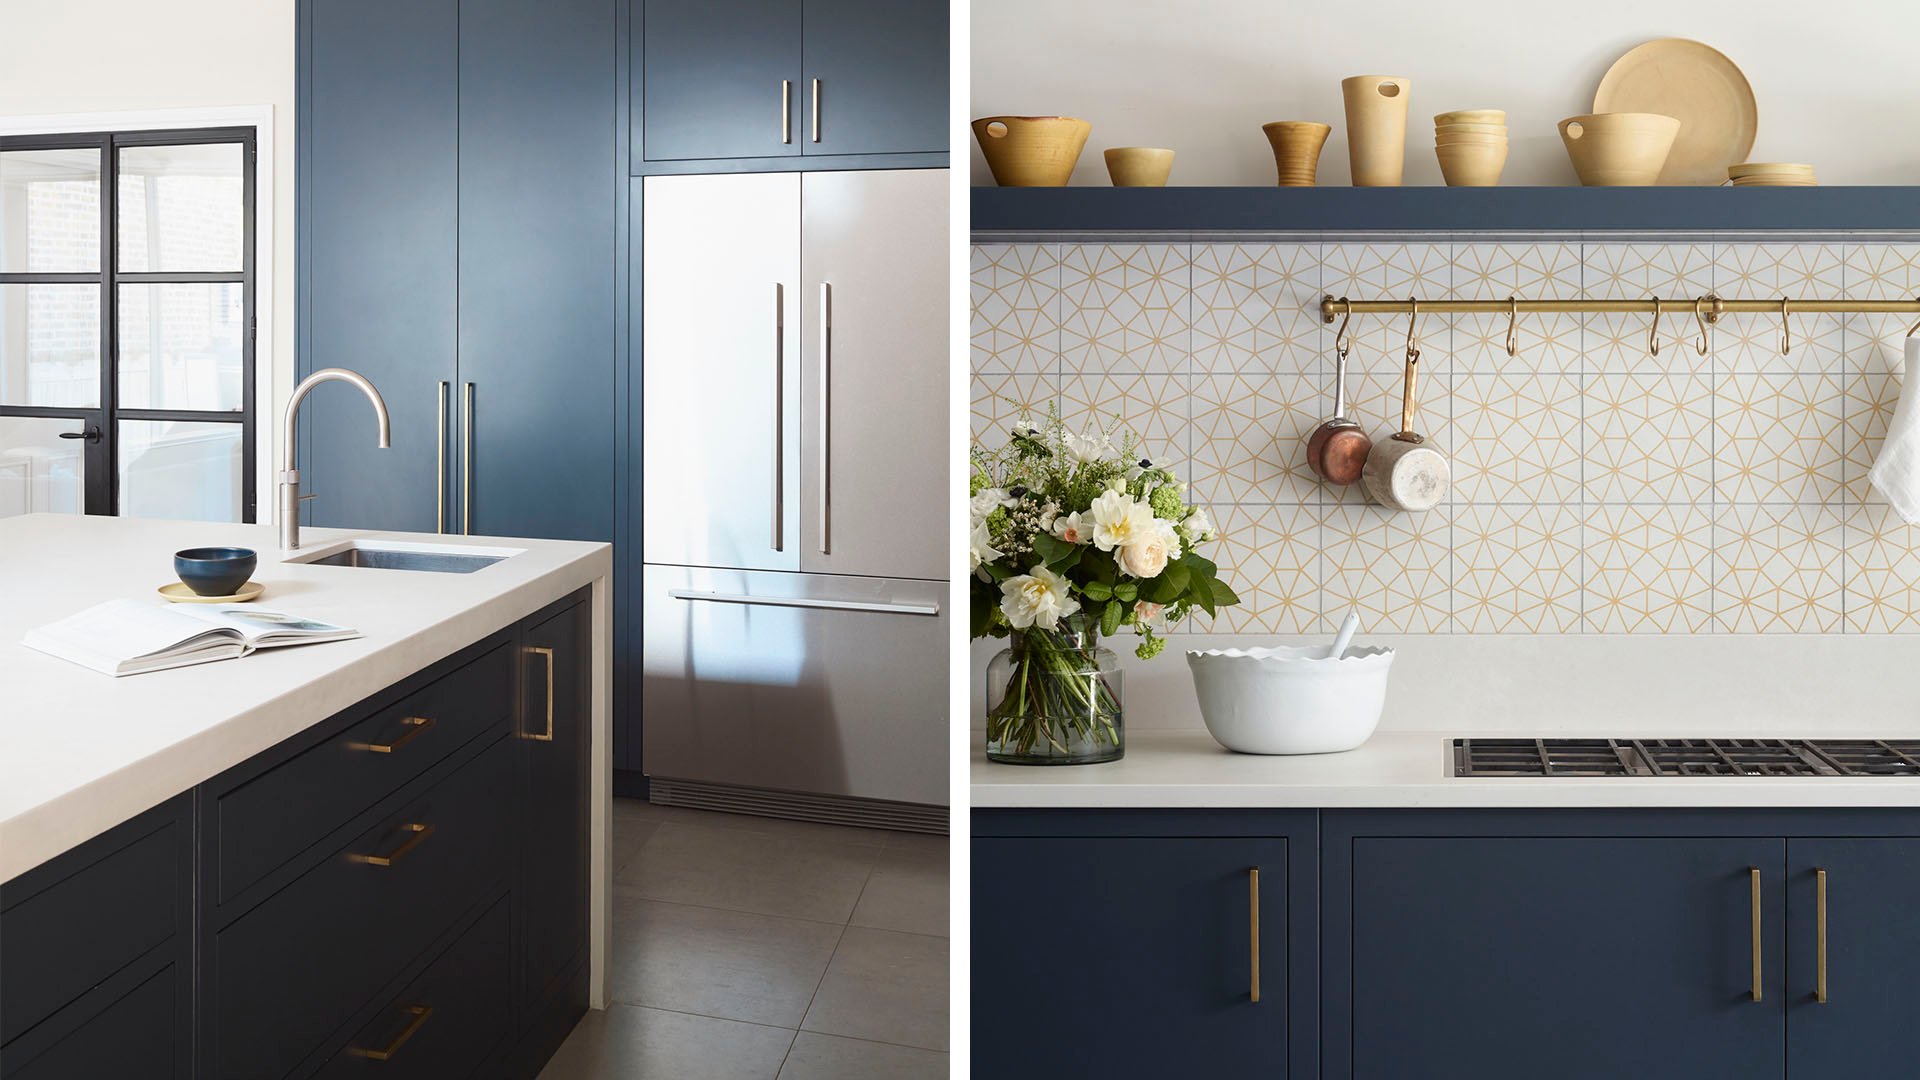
x: 1513, y: 326
x: 1786, y: 329
x: 1700, y: 319
x: 1653, y: 332
x: 1341, y: 342
x: 1413, y: 319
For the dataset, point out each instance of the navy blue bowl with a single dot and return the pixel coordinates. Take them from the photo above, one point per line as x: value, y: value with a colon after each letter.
x: 215, y: 571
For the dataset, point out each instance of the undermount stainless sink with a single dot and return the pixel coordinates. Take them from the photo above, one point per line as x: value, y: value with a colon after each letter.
x: 397, y: 555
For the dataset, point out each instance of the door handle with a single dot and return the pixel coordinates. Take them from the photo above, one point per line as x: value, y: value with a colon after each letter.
x: 466, y: 464
x: 440, y: 462
x: 786, y: 112
x: 90, y: 433
x: 816, y: 110
x: 826, y: 416
x: 879, y: 606
x: 1820, y: 936
x: 420, y: 1014
x: 543, y: 651
x: 416, y: 727
x: 1253, y: 951
x: 1753, y: 895
x: 779, y: 414
x: 418, y: 834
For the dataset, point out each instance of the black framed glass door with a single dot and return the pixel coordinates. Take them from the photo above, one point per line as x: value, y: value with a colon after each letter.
x: 127, y: 324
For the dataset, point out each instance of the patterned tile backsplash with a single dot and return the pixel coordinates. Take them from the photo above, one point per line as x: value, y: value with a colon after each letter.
x: 1717, y: 487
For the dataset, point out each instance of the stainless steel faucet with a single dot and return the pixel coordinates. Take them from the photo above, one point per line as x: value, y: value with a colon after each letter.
x: 290, y: 476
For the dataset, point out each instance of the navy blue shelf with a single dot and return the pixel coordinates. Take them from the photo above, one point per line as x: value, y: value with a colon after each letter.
x: 1443, y: 209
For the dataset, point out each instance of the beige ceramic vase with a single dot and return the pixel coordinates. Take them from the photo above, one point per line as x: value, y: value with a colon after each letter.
x: 1376, y: 128
x: 1139, y: 166
x: 1296, y: 150
x: 1031, y: 151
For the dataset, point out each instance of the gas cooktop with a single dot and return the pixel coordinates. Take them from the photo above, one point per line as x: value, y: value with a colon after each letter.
x: 1686, y: 757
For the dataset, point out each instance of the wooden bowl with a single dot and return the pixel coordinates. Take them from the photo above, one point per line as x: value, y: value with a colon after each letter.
x: 1471, y: 116
x: 1475, y: 129
x: 1138, y: 166
x: 1468, y: 139
x: 1618, y: 149
x: 1472, y: 165
x: 1296, y: 150
x: 1031, y: 151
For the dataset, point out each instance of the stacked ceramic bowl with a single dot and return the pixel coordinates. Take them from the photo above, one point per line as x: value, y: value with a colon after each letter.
x: 1471, y: 145
x: 1770, y: 174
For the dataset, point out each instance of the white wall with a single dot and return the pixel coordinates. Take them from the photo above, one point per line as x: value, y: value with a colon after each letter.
x: 102, y: 56
x: 1834, y: 81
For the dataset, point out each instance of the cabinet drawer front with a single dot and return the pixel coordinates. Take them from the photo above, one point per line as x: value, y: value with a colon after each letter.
x: 134, y: 1036
x: 446, y: 1022
x: 293, y: 969
x: 281, y: 812
x: 64, y: 939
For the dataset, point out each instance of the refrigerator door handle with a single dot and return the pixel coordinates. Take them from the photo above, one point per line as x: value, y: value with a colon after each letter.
x: 779, y: 413
x: 826, y: 417
x: 878, y: 606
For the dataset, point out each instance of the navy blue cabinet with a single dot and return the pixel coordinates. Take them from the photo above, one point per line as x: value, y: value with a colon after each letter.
x: 881, y: 71
x: 556, y: 742
x: 1851, y: 1010
x: 1128, y: 946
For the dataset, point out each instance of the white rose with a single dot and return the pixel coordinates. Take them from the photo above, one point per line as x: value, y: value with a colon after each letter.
x: 1074, y: 528
x: 980, y: 549
x: 1118, y: 520
x: 1148, y: 553
x: 1037, y: 599
x: 1197, y: 527
x: 986, y: 501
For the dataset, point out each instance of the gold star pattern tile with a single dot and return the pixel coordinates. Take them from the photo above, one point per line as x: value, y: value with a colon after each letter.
x: 1393, y: 568
x: 1777, y: 569
x: 1256, y: 307
x: 1530, y: 271
x: 1271, y: 557
x: 1777, y: 438
x: 1515, y: 437
x: 1883, y: 572
x: 1390, y: 270
x: 1516, y: 569
x: 1250, y: 434
x: 1125, y: 307
x: 999, y: 400
x: 1765, y: 272
x: 1649, y: 438
x: 1015, y: 300
x: 1633, y: 271
x: 1152, y: 406
x: 1649, y: 570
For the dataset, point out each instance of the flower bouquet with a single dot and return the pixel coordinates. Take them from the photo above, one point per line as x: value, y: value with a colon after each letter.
x: 1072, y: 539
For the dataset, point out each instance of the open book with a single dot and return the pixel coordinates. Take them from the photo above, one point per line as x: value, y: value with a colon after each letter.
x: 127, y: 637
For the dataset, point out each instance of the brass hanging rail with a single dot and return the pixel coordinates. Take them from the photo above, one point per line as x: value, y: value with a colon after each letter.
x: 1709, y: 307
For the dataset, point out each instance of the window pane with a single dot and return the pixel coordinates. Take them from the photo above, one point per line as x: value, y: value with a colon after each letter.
x: 50, y: 211
x: 40, y: 472
x: 50, y: 345
x: 180, y: 469
x: 181, y: 208
x: 180, y: 347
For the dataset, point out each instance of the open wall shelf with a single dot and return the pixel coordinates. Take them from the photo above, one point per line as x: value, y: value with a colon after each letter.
x: 1444, y: 209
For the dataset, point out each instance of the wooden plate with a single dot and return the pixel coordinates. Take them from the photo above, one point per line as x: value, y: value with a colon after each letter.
x: 1700, y: 87
x: 178, y: 593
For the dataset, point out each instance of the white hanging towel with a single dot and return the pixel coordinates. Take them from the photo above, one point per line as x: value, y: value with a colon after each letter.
x: 1896, y: 472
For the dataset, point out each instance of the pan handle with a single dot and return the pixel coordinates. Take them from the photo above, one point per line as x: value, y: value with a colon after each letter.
x: 1407, y: 398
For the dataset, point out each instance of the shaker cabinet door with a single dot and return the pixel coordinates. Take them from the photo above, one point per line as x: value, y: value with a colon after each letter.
x: 379, y: 243
x: 1871, y: 965
x: 711, y: 75
x: 874, y: 401
x: 720, y: 331
x: 555, y: 732
x: 880, y: 68
x: 1129, y: 958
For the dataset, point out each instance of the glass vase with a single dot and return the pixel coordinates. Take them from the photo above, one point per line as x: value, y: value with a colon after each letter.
x: 1053, y: 698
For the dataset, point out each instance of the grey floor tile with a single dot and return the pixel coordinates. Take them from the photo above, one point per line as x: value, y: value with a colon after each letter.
x: 629, y: 836
x: 905, y: 892
x: 795, y: 876
x: 830, y: 1057
x: 730, y: 964
x: 885, y: 986
x: 846, y: 834
x: 925, y: 844
x: 630, y: 1043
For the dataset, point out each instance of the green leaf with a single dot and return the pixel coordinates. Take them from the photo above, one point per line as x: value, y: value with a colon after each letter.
x: 1049, y: 547
x: 1200, y: 564
x: 1202, y: 594
x: 1066, y: 562
x: 1170, y: 584
x: 1110, y: 618
x: 1223, y: 595
x: 1099, y: 566
x: 1097, y: 590
x: 1127, y: 590
x: 982, y: 611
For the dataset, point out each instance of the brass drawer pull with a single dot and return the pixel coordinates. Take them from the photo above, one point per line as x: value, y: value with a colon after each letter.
x: 1253, y: 903
x: 1820, y: 939
x: 416, y: 727
x: 421, y: 1013
x: 542, y: 650
x: 1753, y: 890
x: 420, y: 833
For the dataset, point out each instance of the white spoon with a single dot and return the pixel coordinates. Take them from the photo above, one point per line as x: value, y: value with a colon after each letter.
x: 1345, y: 636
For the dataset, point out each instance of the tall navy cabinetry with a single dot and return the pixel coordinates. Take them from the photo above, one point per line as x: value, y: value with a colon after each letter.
x: 459, y: 245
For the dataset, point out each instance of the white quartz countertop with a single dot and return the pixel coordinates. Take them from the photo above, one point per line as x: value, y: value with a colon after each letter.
x: 1404, y: 769
x: 81, y: 752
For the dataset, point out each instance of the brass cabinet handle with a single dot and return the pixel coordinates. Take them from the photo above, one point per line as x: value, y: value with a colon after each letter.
x: 1753, y: 890
x: 816, y: 110
x: 542, y: 650
x: 826, y: 415
x: 416, y: 727
x: 779, y: 413
x: 421, y: 1013
x: 440, y: 464
x: 786, y: 112
x: 420, y: 833
x: 1820, y: 936
x: 466, y: 466
x: 1253, y: 906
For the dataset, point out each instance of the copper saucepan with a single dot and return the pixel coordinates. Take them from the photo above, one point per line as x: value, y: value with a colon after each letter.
x: 1337, y: 449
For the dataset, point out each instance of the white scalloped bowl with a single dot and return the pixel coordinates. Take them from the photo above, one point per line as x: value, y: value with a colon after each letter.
x: 1290, y: 699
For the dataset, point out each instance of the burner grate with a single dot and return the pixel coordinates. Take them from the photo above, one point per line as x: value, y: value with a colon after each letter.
x: 1686, y: 757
